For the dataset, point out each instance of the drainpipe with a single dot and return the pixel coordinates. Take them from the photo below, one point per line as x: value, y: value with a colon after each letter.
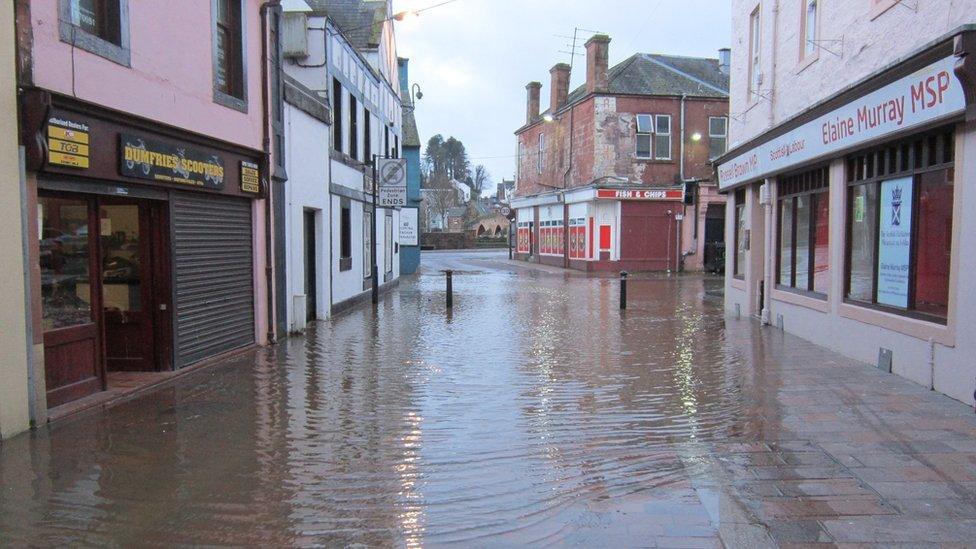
x: 266, y: 160
x: 766, y: 198
x: 681, y: 161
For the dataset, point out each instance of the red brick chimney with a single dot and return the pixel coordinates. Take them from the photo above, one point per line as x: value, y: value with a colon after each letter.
x: 532, y: 105
x: 559, y: 90
x: 597, y: 59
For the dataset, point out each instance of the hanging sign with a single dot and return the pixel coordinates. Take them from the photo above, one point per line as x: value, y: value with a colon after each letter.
x: 250, y: 177
x: 148, y: 158
x: 67, y: 143
x: 930, y: 94
x: 894, y: 242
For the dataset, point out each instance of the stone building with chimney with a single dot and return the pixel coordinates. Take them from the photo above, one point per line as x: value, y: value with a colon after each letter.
x: 617, y: 174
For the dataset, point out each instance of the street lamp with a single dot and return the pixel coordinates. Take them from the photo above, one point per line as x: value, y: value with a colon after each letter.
x: 415, y: 95
x: 406, y: 15
x: 696, y: 136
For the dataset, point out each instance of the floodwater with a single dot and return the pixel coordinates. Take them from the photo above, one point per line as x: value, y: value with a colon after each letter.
x: 535, y: 412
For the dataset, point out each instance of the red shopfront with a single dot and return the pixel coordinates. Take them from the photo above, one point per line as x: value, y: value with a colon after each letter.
x: 143, y: 247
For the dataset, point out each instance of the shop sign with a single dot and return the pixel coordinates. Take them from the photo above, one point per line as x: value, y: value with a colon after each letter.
x: 67, y: 143
x: 927, y: 96
x: 638, y: 194
x: 148, y: 158
x: 250, y: 177
x: 409, y: 227
x: 894, y: 242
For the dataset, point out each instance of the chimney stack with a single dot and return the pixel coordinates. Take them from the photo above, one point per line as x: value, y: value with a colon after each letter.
x: 532, y: 105
x: 724, y: 60
x: 597, y: 59
x: 559, y: 90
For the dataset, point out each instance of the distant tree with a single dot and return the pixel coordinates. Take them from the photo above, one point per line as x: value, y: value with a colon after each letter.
x: 435, y: 161
x: 456, y: 159
x: 480, y: 180
x: 440, y: 197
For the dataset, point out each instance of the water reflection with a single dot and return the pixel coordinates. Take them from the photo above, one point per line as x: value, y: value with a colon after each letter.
x: 530, y: 415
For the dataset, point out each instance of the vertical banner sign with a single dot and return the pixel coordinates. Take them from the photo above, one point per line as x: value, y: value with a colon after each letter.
x: 67, y: 143
x: 409, y: 227
x: 250, y: 177
x: 894, y: 242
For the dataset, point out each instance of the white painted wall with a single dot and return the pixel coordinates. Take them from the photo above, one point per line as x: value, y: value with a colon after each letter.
x: 868, y: 45
x: 307, y: 162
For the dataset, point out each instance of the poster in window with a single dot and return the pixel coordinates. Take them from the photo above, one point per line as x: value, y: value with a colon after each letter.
x: 894, y: 242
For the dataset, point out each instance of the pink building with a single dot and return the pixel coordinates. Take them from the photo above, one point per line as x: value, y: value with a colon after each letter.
x: 147, y: 162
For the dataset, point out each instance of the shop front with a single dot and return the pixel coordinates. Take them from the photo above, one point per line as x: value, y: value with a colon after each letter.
x: 603, y: 228
x: 144, y: 245
x: 848, y: 225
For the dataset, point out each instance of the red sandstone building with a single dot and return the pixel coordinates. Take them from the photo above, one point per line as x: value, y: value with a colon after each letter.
x: 617, y: 174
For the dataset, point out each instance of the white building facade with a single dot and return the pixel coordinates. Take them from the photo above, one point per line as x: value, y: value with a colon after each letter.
x: 345, y: 53
x: 850, y: 160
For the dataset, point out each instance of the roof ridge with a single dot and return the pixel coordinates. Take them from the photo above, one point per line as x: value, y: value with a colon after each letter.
x: 681, y: 56
x: 684, y: 74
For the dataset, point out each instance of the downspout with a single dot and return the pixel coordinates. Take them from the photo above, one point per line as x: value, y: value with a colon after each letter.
x: 681, y: 161
x: 766, y: 198
x: 266, y: 160
x: 772, y: 77
x: 566, y: 178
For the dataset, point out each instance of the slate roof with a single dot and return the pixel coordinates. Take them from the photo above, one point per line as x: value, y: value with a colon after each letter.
x: 356, y: 18
x: 656, y: 74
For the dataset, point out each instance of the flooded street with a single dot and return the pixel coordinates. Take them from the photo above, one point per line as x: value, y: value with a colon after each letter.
x: 534, y: 413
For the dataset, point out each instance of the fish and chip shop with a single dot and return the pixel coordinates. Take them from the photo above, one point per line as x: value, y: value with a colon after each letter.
x: 852, y: 224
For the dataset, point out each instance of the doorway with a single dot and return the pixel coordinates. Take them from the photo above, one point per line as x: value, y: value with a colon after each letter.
x: 311, y: 289
x: 104, y: 290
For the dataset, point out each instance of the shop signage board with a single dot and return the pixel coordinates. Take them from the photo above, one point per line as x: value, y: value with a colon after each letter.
x: 926, y: 96
x: 409, y: 227
x: 250, y: 177
x: 640, y: 194
x: 392, y: 173
x: 67, y: 143
x: 894, y: 242
x: 147, y: 158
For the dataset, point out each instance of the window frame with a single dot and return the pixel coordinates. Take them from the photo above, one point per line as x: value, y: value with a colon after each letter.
x: 540, y: 153
x: 805, y: 184
x: 654, y: 136
x: 895, y: 160
x: 337, y: 131
x: 658, y: 135
x: 724, y: 136
x: 229, y: 100
x: 345, y: 234
x: 353, y: 127
x: 70, y: 33
x: 367, y: 134
x: 755, y: 52
x: 806, y: 57
x: 638, y: 133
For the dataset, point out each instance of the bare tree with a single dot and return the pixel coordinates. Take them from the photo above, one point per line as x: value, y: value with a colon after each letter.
x: 480, y: 180
x: 441, y: 196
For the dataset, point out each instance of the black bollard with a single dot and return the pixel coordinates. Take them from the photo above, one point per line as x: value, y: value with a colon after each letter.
x: 623, y: 290
x: 450, y: 288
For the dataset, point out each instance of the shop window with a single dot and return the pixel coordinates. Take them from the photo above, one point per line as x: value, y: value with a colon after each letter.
x: 899, y: 203
x: 65, y: 261
x: 741, y: 235
x: 337, y: 115
x: 353, y: 128
x: 228, y: 54
x: 803, y: 258
x: 718, y: 136
x: 100, y: 27
x: 345, y: 236
x: 809, y: 31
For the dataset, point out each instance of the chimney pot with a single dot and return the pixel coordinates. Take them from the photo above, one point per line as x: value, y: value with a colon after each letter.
x: 532, y: 103
x: 597, y: 59
x: 724, y: 60
x: 559, y: 90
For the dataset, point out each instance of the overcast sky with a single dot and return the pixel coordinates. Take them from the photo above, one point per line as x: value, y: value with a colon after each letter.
x: 473, y: 58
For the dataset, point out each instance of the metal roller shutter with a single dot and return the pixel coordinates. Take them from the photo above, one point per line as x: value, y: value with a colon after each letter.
x: 214, y: 279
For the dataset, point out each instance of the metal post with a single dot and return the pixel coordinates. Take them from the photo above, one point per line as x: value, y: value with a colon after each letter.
x: 372, y: 244
x: 450, y: 288
x: 623, y: 290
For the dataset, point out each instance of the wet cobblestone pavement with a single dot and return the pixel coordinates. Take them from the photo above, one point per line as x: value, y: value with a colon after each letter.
x: 535, y: 413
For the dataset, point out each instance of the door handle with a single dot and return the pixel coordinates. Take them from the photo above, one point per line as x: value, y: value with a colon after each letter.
x: 162, y: 307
